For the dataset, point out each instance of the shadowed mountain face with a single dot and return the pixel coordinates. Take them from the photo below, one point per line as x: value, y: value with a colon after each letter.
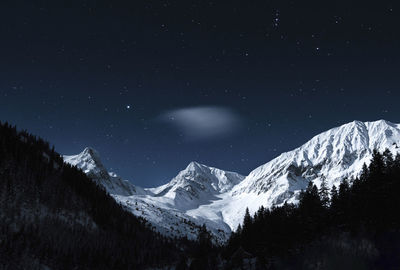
x: 202, y: 194
x: 53, y: 216
x: 166, y: 207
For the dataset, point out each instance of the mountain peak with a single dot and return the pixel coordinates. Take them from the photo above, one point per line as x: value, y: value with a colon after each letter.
x: 195, y: 163
x: 383, y: 121
x: 89, y: 162
x: 89, y: 151
x: 380, y: 122
x: 194, y: 166
x: 219, y: 198
x: 358, y: 122
x: 197, y: 184
x: 334, y: 154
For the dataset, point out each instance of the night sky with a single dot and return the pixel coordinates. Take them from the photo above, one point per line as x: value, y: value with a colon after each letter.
x: 153, y: 85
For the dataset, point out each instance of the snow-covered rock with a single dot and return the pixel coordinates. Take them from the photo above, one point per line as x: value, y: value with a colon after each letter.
x: 89, y: 162
x: 165, y: 207
x: 201, y: 194
x: 196, y: 185
x: 332, y: 155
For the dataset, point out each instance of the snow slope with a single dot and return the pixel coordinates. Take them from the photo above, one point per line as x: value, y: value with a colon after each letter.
x: 334, y: 155
x: 89, y: 162
x: 165, y: 207
x: 201, y: 194
x: 196, y: 185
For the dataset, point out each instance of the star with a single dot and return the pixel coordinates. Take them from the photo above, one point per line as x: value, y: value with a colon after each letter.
x: 128, y: 107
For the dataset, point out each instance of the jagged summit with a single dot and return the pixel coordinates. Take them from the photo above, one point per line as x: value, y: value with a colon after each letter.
x: 91, y: 152
x: 88, y: 160
x: 339, y: 147
x: 195, y: 166
x: 219, y: 198
x: 197, y: 184
x: 332, y: 155
x: 165, y: 207
x: 90, y: 163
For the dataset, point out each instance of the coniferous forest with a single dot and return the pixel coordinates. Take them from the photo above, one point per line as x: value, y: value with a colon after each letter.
x: 54, y: 217
x: 353, y: 226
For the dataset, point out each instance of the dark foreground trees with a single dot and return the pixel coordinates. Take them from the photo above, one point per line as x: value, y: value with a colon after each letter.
x: 52, y: 215
x: 357, y: 228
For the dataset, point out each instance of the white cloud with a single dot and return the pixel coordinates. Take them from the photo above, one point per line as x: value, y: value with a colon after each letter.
x: 201, y: 123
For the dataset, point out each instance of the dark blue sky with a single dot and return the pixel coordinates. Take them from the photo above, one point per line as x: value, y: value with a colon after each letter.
x: 153, y: 85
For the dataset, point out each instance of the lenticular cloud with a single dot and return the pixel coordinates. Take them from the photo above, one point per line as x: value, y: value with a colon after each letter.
x: 201, y: 123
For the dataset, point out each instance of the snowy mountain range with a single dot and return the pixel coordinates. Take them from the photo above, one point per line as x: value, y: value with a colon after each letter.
x: 205, y: 195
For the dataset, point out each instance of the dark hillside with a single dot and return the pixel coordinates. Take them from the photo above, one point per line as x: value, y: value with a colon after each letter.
x: 53, y: 215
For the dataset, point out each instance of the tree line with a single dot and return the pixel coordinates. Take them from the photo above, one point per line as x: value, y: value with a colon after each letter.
x: 52, y: 215
x: 353, y: 226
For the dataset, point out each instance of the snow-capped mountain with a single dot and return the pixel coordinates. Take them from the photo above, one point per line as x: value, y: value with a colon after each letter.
x: 165, y: 207
x: 201, y: 194
x: 196, y: 185
x: 89, y: 162
x: 332, y: 155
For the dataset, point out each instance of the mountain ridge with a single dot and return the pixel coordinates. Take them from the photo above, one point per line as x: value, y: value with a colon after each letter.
x: 203, y: 194
x: 89, y: 162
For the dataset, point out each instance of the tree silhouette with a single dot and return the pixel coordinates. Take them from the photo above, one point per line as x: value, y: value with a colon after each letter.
x: 53, y: 215
x: 324, y: 193
x: 363, y: 212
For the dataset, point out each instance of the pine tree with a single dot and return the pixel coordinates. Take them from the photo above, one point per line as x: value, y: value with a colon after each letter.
x: 334, y: 196
x: 258, y: 216
x: 396, y: 163
x: 314, y: 193
x: 239, y: 229
x: 388, y: 160
x: 310, y: 202
x: 324, y: 193
x: 344, y: 188
x: 364, y: 172
x: 247, y: 220
x: 377, y: 165
x: 204, y: 237
x: 204, y: 250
